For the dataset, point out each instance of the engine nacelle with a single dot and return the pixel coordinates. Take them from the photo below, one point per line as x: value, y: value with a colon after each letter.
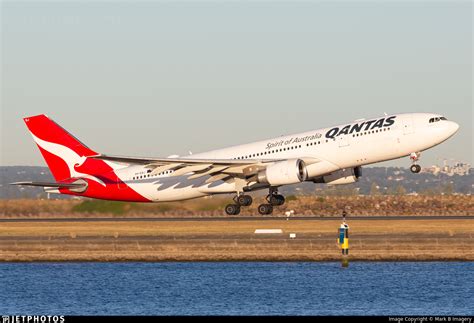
x: 341, y: 177
x: 292, y: 171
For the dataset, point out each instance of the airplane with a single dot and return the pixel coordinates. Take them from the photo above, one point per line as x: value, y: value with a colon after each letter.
x: 334, y: 156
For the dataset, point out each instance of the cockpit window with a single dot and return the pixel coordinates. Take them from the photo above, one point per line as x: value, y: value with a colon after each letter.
x: 437, y: 119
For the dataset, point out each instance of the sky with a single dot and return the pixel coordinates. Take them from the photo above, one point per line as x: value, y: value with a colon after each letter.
x: 158, y: 78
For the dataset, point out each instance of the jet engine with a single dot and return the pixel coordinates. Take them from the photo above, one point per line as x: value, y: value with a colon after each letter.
x: 341, y: 177
x: 286, y: 172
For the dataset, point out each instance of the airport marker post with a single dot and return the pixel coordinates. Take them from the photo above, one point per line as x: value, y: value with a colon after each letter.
x: 343, y: 240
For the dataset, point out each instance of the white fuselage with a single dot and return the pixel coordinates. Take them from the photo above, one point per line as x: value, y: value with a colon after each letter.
x: 359, y: 143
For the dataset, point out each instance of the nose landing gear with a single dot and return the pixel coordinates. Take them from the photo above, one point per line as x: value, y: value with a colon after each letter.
x: 415, y: 168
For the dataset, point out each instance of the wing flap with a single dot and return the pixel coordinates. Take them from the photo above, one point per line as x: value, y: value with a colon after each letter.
x: 190, y: 169
x: 213, y: 170
x: 215, y: 178
x: 160, y: 169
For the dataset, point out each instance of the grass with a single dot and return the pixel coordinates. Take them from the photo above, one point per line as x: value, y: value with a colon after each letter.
x: 96, y: 206
x: 302, y: 205
x: 150, y: 228
x: 235, y: 241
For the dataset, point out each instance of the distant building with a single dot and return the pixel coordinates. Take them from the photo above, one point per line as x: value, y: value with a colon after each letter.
x: 435, y: 170
x: 459, y: 168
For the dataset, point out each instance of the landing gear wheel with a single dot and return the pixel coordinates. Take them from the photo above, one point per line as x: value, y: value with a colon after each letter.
x: 265, y: 209
x: 244, y: 200
x: 276, y: 199
x: 415, y: 169
x: 232, y: 209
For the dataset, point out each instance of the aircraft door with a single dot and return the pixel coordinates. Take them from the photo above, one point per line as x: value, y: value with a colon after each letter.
x: 121, y: 185
x: 343, y: 141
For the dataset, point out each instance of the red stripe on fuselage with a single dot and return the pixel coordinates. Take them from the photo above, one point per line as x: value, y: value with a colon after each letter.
x: 115, y: 189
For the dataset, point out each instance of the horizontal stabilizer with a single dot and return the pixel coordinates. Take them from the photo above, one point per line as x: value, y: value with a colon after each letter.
x: 79, y: 186
x: 56, y: 185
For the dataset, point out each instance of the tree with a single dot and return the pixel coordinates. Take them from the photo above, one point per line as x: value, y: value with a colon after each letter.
x: 448, y: 189
x: 374, y: 189
x: 401, y: 190
x: 390, y: 191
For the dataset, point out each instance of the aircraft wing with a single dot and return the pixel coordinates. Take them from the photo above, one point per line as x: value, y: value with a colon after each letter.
x: 182, y: 166
x: 188, y: 161
x: 218, y: 169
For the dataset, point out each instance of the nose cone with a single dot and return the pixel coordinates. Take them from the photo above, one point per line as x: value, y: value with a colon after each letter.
x: 451, y: 128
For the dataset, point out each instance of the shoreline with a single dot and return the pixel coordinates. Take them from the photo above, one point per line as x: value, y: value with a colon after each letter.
x: 225, y: 261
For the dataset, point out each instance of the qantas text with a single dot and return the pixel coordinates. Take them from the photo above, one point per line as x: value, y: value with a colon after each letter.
x: 358, y: 127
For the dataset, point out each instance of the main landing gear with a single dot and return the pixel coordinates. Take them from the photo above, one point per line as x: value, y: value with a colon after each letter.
x: 240, y: 200
x: 273, y: 199
x: 415, y: 168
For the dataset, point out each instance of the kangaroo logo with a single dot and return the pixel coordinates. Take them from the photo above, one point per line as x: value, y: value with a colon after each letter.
x: 69, y: 156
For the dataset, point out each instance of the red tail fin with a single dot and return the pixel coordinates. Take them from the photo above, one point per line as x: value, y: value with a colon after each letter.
x: 61, y: 150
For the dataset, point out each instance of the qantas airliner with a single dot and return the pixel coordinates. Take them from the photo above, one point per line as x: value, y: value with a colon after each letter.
x: 333, y: 155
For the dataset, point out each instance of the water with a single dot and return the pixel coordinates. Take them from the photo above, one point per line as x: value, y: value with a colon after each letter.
x: 436, y: 288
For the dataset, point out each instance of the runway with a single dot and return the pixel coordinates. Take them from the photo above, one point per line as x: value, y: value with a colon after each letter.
x: 234, y: 219
x: 408, y: 238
